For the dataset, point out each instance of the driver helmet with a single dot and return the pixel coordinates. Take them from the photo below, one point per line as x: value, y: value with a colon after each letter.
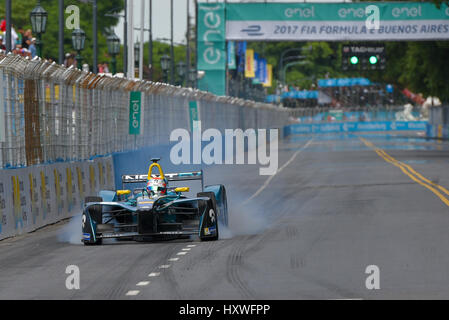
x: 157, y: 186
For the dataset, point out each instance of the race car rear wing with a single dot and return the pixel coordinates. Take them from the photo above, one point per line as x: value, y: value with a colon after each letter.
x: 183, y: 176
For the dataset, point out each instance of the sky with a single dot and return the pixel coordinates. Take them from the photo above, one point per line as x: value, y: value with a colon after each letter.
x: 161, y: 17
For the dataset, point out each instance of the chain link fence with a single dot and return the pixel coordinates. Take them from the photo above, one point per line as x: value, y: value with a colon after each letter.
x: 52, y: 113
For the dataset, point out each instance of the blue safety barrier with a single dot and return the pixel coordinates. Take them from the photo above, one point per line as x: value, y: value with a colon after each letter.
x: 304, y: 94
x: 343, y: 82
x: 302, y: 128
x: 439, y: 131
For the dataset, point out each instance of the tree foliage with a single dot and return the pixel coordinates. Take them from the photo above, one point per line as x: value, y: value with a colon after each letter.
x: 21, y: 19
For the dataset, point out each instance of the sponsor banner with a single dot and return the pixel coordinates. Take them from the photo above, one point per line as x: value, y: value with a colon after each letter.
x: 336, y: 21
x: 211, y: 36
x: 194, y: 115
x: 249, y: 64
x: 356, y: 127
x: 5, y: 202
x: 40, y: 195
x: 231, y: 55
x: 242, y: 56
x: 269, y: 78
x: 343, y: 82
x: 135, y: 107
x: 261, y: 70
x: 256, y: 69
x: 304, y: 94
x: 211, y: 44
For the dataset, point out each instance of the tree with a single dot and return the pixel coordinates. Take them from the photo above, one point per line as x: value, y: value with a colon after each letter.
x: 21, y: 19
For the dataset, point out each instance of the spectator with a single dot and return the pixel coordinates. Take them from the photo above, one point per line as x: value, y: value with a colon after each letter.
x: 19, y: 40
x: 14, y: 37
x: 2, y: 46
x: 32, y: 47
x: 105, y: 67
x: 27, y: 36
x: 69, y: 60
x: 66, y: 60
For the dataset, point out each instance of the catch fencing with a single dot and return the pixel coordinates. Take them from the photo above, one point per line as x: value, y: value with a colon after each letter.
x: 56, y: 114
x: 59, y: 126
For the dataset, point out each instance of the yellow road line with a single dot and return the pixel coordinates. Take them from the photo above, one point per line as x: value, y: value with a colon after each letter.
x: 409, y: 171
x: 418, y: 174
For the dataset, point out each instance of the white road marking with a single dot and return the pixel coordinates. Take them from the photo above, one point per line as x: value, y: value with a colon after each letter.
x: 173, y: 259
x: 164, y: 266
x: 182, y: 253
x: 132, y: 293
x: 191, y: 246
x: 154, y: 274
x: 186, y: 249
x: 267, y: 182
x: 143, y: 283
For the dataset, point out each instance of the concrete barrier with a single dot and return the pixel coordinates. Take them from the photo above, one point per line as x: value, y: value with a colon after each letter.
x: 33, y: 197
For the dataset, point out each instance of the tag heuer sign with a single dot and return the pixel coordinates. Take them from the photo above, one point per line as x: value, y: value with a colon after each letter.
x: 135, y: 100
x: 363, y: 49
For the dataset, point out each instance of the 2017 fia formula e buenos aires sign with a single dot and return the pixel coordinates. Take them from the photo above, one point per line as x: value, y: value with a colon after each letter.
x: 336, y: 21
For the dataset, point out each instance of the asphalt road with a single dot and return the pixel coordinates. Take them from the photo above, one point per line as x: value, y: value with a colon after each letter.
x: 336, y: 207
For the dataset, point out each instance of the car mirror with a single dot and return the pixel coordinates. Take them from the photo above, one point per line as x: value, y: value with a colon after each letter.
x: 184, y: 189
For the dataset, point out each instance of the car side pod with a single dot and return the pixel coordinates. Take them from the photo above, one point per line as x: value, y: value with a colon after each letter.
x: 92, y: 216
x: 208, y: 227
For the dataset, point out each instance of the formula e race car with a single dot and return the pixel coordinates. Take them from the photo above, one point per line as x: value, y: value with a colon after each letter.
x: 155, y: 211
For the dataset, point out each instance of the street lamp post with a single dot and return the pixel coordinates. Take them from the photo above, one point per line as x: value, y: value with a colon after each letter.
x: 136, y: 56
x: 193, y: 76
x: 281, y: 61
x: 172, y: 50
x: 113, y: 48
x: 136, y: 53
x: 95, y: 36
x: 288, y: 65
x: 38, y: 17
x: 150, y: 44
x: 125, y: 33
x: 165, y: 65
x: 78, y: 38
x: 181, y: 67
